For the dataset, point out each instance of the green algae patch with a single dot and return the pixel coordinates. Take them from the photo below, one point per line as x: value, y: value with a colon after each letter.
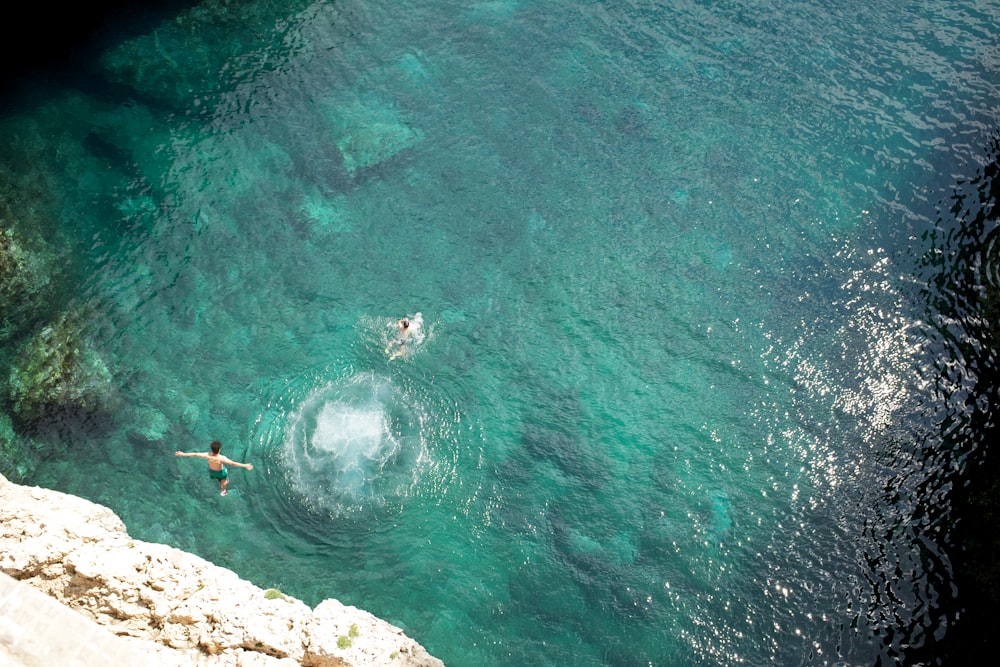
x: 57, y: 369
x: 24, y: 283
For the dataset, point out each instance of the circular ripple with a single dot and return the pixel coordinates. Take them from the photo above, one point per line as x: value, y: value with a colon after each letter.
x: 349, y: 443
x: 355, y: 443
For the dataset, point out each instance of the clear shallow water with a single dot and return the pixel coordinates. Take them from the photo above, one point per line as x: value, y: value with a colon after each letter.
x: 680, y: 372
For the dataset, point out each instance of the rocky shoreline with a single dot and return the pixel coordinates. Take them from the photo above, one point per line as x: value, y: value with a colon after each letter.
x: 174, y: 606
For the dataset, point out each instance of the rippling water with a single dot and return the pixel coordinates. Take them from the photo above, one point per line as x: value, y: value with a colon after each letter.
x: 695, y: 385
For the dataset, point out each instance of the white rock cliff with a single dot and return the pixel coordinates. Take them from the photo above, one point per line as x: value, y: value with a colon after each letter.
x: 177, y: 608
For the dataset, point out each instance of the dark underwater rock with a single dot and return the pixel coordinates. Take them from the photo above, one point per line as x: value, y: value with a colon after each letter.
x: 585, y: 464
x: 185, y: 57
x: 17, y: 461
x: 545, y: 590
x: 57, y: 370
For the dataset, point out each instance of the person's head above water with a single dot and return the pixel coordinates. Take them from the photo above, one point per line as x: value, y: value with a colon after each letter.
x: 216, y: 446
x: 404, y: 323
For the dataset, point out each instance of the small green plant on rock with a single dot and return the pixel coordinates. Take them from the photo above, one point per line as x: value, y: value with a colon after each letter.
x: 353, y: 632
x: 343, y: 642
x: 274, y: 594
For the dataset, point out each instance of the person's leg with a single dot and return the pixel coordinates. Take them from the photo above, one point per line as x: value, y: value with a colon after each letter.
x: 224, y: 482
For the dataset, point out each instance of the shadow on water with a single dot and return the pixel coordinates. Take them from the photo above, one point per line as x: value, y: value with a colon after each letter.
x: 950, y: 483
x: 35, y: 44
x: 976, y: 536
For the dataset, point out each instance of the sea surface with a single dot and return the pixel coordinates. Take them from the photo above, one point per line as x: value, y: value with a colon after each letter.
x: 693, y: 386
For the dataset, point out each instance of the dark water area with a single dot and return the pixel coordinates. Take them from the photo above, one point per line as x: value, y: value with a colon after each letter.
x: 969, y: 290
x: 45, y: 39
x: 711, y: 294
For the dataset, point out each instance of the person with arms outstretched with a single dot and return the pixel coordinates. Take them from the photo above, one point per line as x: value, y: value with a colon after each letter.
x: 217, y: 464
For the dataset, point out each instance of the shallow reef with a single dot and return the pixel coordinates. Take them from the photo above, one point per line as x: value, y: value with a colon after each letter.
x: 57, y: 370
x: 24, y: 284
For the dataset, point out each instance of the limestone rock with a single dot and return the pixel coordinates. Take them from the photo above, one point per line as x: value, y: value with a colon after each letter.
x: 80, y: 553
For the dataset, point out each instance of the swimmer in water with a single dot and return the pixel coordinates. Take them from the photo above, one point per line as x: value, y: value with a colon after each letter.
x: 408, y: 334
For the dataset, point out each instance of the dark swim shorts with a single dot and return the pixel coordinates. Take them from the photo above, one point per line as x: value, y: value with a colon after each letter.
x: 218, y: 474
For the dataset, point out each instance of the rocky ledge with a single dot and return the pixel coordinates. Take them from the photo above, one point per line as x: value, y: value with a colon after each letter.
x: 177, y: 608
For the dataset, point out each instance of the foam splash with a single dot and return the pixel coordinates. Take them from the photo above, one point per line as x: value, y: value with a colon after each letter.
x: 354, y: 444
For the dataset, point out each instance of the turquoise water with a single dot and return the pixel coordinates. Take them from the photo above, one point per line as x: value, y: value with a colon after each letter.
x: 683, y: 353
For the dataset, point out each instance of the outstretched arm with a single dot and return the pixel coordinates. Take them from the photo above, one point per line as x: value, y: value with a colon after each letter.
x: 226, y: 459
x: 200, y: 455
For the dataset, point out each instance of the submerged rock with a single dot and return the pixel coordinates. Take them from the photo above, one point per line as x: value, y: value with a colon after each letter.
x: 369, y: 132
x: 57, y: 370
x: 16, y: 457
x: 582, y: 461
x: 185, y: 58
x: 147, y: 425
x: 25, y: 278
x: 162, y: 598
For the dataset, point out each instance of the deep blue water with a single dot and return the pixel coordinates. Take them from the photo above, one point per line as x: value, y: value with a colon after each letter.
x: 690, y: 390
